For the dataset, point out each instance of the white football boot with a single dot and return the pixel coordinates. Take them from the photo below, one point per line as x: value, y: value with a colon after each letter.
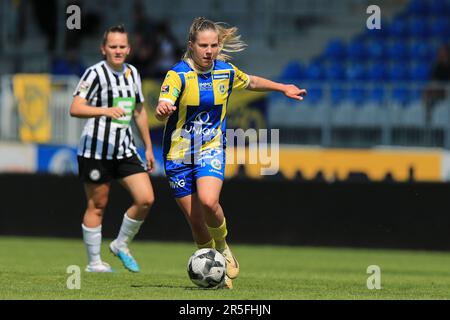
x: 99, y: 266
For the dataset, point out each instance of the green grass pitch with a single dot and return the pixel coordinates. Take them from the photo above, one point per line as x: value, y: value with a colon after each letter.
x: 36, y: 268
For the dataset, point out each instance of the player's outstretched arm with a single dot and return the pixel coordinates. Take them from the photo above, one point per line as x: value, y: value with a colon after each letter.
x: 262, y: 84
x: 164, y: 110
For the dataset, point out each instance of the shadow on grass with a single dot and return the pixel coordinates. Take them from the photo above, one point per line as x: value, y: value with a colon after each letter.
x: 165, y: 286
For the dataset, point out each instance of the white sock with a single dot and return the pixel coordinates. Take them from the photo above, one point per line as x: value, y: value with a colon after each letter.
x: 128, y: 230
x: 92, y: 238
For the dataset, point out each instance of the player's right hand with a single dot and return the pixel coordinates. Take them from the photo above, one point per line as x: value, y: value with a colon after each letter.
x: 164, y: 110
x: 115, y: 112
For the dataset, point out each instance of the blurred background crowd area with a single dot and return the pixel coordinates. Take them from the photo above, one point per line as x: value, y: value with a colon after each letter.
x: 385, y: 87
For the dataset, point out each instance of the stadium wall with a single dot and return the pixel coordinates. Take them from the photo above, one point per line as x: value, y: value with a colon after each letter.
x: 377, y: 215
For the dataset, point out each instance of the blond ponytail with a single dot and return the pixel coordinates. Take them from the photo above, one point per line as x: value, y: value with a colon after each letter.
x: 229, y: 40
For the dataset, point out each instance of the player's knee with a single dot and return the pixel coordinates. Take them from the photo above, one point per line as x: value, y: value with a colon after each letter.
x: 99, y: 205
x: 96, y: 211
x: 210, y: 203
x: 146, y: 203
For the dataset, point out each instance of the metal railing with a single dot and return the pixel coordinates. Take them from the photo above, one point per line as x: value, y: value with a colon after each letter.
x: 406, y: 115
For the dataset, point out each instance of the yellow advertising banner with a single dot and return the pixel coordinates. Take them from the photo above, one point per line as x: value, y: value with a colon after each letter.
x: 32, y: 92
x: 339, y: 164
x: 151, y: 90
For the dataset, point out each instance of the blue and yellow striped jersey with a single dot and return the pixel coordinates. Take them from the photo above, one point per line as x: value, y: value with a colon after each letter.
x: 199, y: 122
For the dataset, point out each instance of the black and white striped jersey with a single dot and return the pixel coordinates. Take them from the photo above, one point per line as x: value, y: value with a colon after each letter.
x: 103, y: 87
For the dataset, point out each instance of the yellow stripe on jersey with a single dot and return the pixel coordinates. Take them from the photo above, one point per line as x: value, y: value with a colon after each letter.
x: 189, y: 97
x: 171, y: 87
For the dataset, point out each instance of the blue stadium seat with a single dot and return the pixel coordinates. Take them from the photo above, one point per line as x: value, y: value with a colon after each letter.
x: 399, y: 72
x: 377, y: 72
x: 357, y: 95
x: 377, y: 34
x: 437, y: 7
x: 356, y: 50
x: 376, y: 49
x: 417, y: 7
x: 417, y: 93
x: 337, y: 95
x: 400, y: 95
x: 440, y: 28
x: 335, y: 71
x: 398, y: 50
x: 335, y: 50
x: 292, y: 71
x: 376, y: 95
x: 418, y: 27
x: 315, y: 94
x: 421, y: 72
x: 421, y: 50
x: 398, y: 28
x: 356, y: 71
x: 314, y: 72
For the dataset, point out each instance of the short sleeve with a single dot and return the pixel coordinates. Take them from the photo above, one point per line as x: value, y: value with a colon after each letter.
x: 241, y: 79
x: 88, y: 85
x: 171, y: 87
x: 139, y: 94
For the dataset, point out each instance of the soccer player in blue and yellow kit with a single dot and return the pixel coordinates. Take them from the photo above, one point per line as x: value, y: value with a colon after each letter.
x: 194, y: 98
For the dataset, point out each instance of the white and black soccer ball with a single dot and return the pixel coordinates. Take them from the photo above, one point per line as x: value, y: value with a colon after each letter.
x: 207, y: 268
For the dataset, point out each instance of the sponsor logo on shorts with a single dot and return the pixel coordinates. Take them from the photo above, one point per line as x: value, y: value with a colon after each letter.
x: 177, y: 183
x: 94, y: 175
x: 216, y: 164
x: 215, y: 171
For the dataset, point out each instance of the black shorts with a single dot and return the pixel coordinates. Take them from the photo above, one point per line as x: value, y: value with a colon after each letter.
x: 101, y: 171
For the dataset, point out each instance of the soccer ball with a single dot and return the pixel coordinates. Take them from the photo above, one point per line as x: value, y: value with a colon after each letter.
x: 207, y: 268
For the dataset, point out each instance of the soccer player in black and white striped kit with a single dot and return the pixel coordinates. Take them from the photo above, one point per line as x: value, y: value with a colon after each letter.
x: 109, y: 95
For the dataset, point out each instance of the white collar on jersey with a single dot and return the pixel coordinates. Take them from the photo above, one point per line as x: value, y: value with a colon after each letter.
x: 118, y: 73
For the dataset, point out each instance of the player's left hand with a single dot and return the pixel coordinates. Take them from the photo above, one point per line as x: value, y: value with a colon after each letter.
x: 150, y: 160
x: 294, y: 92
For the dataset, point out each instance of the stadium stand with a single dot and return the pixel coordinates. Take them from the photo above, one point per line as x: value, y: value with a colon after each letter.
x: 359, y: 80
x: 377, y: 76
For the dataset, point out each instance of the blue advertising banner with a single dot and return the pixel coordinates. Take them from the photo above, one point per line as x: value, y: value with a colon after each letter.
x: 159, y: 165
x: 62, y: 159
x: 57, y: 159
